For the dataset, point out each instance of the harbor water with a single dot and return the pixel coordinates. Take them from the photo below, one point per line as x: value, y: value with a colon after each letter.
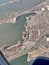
x: 20, y: 61
x: 11, y: 33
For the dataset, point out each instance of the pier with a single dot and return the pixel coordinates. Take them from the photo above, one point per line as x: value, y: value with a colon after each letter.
x: 13, y: 51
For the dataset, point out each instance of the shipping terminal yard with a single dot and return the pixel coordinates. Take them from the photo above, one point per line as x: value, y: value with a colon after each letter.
x: 35, y: 36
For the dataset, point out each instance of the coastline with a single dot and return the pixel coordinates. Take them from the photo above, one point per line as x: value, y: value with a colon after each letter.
x: 13, y: 16
x: 14, y: 55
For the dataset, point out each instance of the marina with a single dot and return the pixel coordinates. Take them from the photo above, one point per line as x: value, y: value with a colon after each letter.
x: 14, y: 30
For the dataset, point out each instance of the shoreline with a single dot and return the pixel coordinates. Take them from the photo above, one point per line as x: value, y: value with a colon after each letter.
x: 20, y: 53
x: 13, y: 16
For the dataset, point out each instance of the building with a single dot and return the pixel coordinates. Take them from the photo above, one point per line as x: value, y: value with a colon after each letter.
x: 47, y: 37
x: 42, y: 49
x: 38, y: 24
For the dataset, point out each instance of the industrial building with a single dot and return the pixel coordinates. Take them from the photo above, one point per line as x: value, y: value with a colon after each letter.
x: 37, y: 25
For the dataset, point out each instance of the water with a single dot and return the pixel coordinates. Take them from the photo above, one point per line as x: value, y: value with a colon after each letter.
x: 10, y: 33
x: 20, y: 61
x: 22, y: 4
